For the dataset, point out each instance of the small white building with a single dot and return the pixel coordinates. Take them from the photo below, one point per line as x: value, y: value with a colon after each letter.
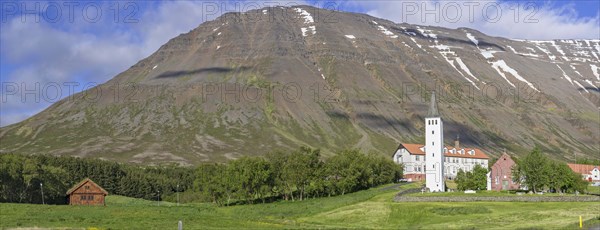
x: 589, y: 173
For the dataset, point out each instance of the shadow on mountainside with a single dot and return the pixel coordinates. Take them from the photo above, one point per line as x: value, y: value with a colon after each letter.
x: 176, y: 74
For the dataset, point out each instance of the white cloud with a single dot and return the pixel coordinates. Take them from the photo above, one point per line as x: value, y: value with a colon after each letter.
x: 41, y: 52
x: 506, y: 19
x: 81, y: 51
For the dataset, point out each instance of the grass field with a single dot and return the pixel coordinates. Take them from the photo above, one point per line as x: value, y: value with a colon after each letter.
x: 593, y: 189
x: 366, y: 209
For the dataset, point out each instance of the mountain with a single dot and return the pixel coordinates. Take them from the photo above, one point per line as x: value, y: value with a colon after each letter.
x: 277, y: 78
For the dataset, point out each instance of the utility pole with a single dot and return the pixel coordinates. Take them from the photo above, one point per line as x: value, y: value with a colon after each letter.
x: 177, y: 195
x: 42, y: 188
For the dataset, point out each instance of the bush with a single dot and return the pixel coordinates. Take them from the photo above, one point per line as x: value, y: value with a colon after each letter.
x: 476, y: 180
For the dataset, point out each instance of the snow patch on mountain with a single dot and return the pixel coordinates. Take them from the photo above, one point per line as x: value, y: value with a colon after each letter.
x: 522, y: 54
x: 538, y: 44
x: 595, y: 71
x: 501, y: 65
x: 418, y: 45
x: 307, y: 17
x: 565, y: 74
x: 581, y: 87
x: 387, y: 32
x: 465, y: 68
x: 488, y: 54
x: 591, y: 83
x: 473, y: 39
x: 427, y: 33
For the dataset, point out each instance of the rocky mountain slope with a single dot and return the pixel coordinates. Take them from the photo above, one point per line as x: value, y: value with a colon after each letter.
x: 278, y: 78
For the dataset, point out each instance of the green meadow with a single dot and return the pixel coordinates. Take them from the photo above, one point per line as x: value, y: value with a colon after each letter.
x: 372, y: 208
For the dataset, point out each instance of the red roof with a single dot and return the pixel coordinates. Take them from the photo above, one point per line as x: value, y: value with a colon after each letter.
x: 415, y: 149
x: 582, y: 169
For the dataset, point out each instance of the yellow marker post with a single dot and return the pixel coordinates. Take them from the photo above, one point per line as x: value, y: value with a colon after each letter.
x: 580, y: 222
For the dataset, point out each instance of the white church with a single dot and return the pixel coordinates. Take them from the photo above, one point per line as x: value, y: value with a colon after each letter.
x: 434, y: 162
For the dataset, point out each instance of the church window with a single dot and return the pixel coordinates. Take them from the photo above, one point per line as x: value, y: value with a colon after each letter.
x: 432, y: 132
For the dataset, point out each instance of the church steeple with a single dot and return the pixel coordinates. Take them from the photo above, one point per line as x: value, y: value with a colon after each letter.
x: 433, y: 111
x: 434, y: 149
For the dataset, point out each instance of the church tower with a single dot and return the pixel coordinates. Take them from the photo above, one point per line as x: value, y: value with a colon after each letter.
x: 434, y: 149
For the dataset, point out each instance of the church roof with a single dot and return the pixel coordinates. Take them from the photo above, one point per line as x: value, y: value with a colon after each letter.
x: 418, y: 149
x: 433, y: 110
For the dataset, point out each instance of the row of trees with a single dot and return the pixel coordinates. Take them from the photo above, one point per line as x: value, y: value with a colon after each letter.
x: 21, y: 178
x: 284, y: 175
x: 540, y: 173
x: 293, y: 176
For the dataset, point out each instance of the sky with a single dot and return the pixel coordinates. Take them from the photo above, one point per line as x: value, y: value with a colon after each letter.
x: 52, y: 49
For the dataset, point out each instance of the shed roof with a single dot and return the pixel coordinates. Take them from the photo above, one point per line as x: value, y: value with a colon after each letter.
x: 78, y: 185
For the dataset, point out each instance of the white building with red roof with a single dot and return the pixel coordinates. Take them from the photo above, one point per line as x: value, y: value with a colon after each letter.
x: 590, y: 173
x: 412, y: 156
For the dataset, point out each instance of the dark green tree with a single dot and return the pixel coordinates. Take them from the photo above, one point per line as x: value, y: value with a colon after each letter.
x: 534, y: 169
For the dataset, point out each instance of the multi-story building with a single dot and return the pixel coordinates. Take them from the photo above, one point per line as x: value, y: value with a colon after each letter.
x: 412, y: 156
